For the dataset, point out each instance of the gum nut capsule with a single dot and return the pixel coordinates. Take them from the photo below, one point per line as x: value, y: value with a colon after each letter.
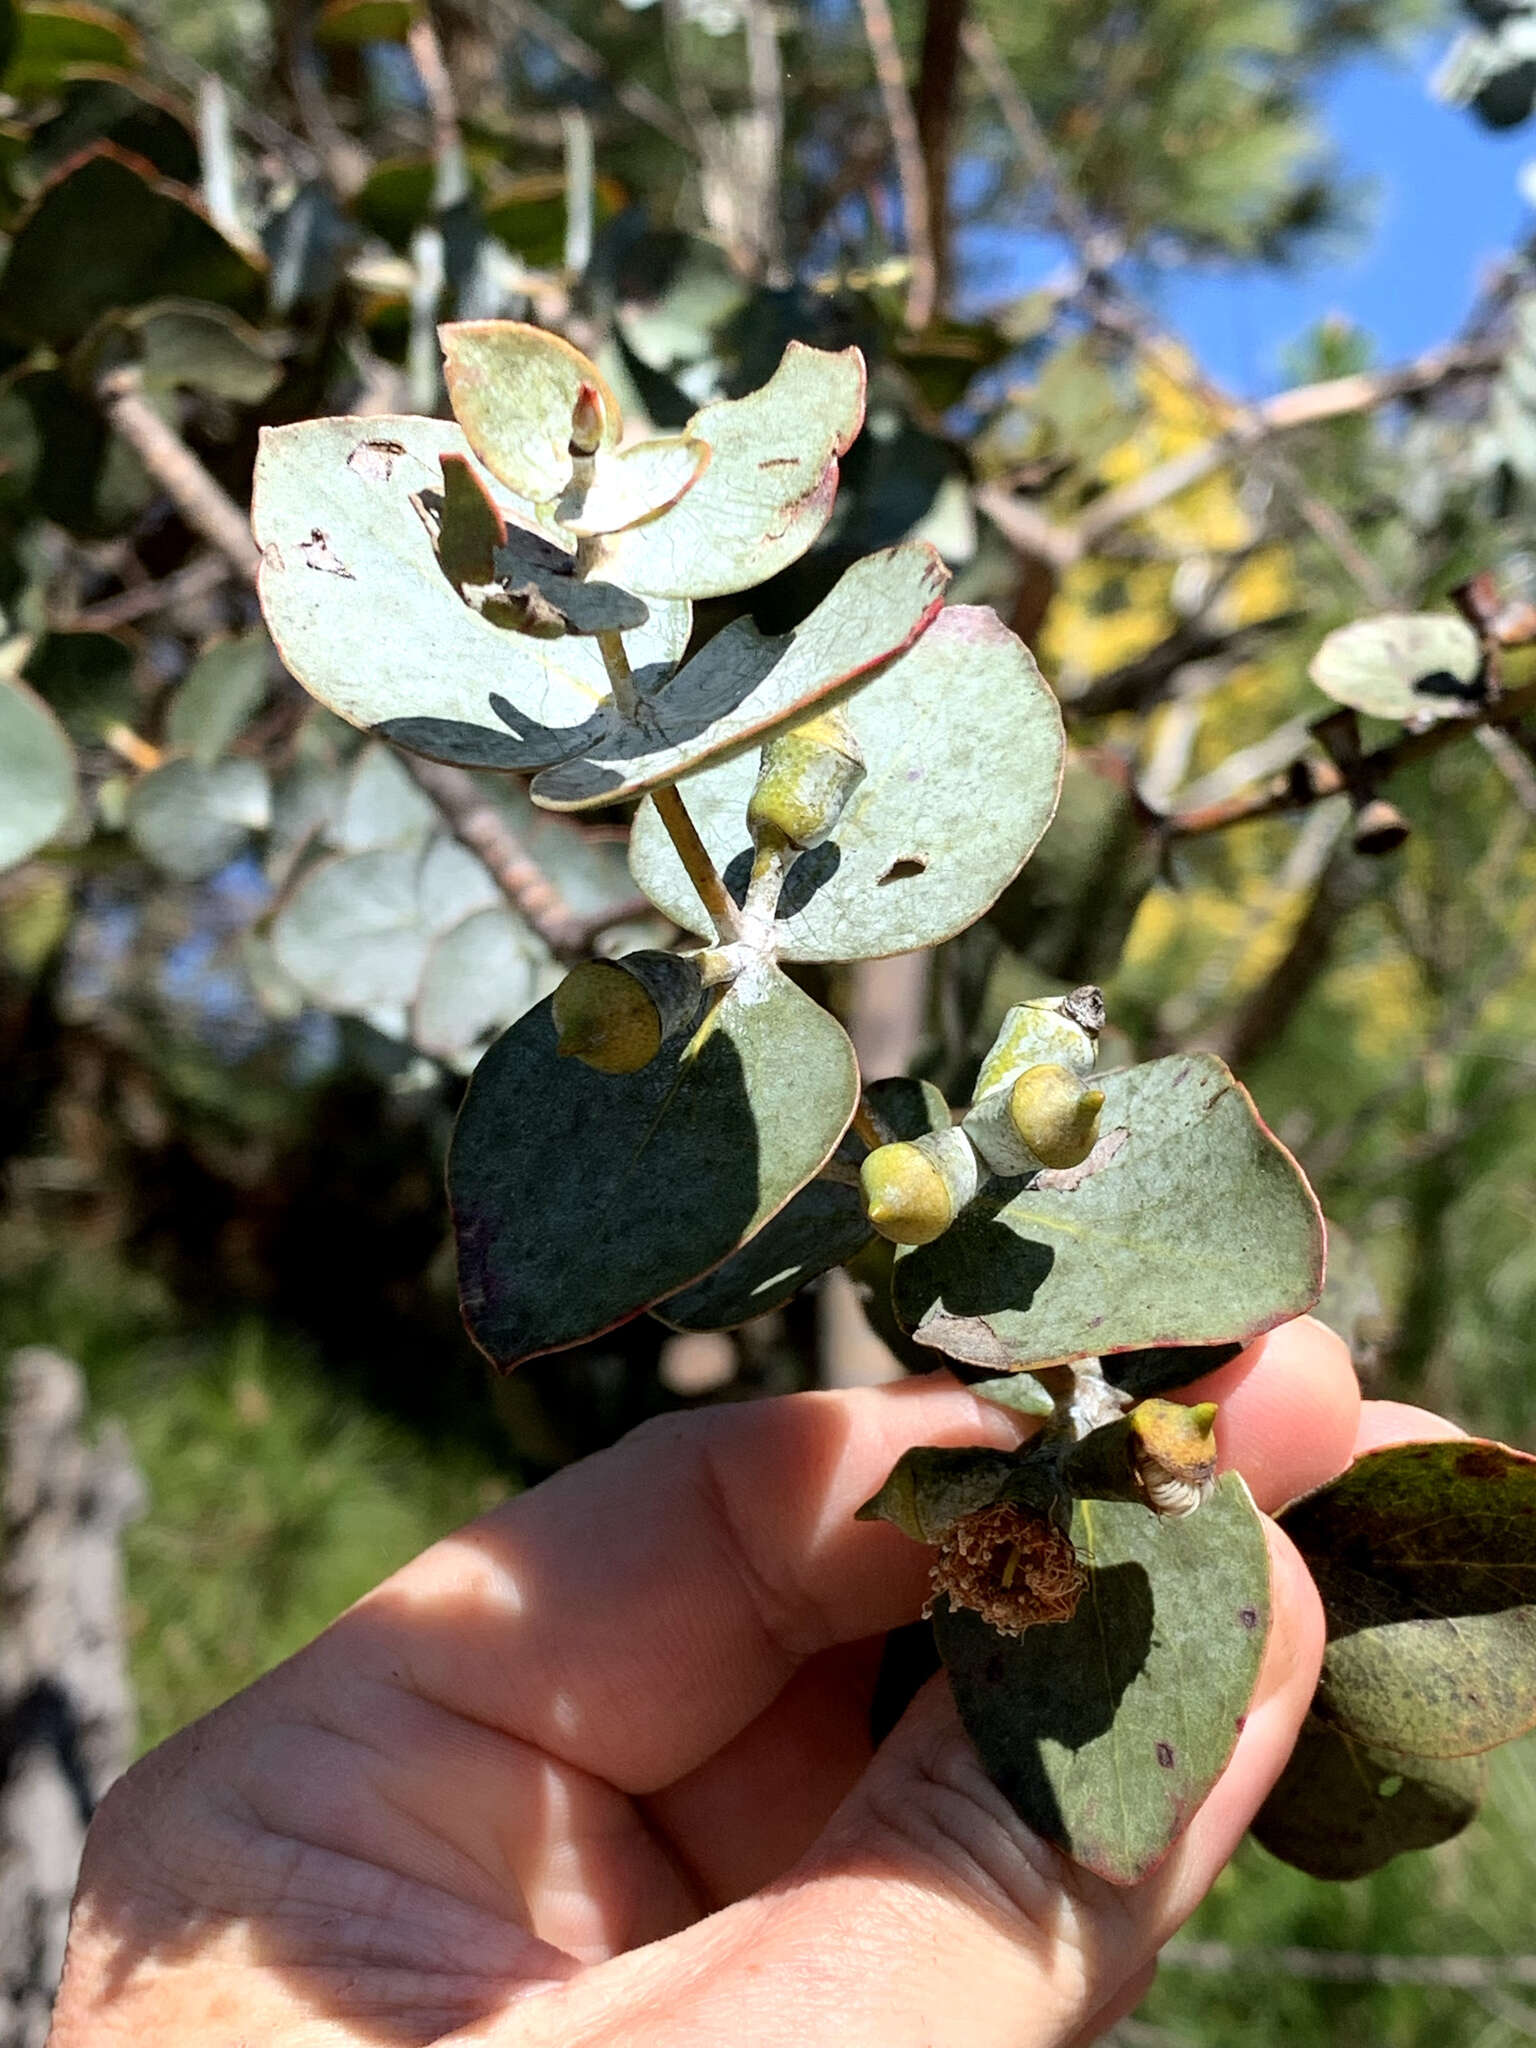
x: 1055, y: 1114
x: 614, y: 1014
x: 914, y: 1191
x: 1062, y: 1030
x: 807, y: 775
x: 905, y: 1195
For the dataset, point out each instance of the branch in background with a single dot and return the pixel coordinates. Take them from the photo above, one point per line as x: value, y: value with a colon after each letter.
x: 450, y: 170
x: 207, y: 507
x: 637, y: 100
x: 476, y: 823
x: 1138, y: 685
x: 916, y: 210
x: 937, y: 78
x: 1335, y: 398
x: 199, y: 579
x: 580, y: 159
x: 201, y: 501
x: 1308, y: 782
x: 1267, y: 1012
x: 765, y: 85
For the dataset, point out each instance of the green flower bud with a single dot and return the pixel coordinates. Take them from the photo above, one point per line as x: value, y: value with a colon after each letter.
x: 807, y: 775
x: 914, y: 1191
x: 1162, y: 1453
x: 1055, y: 1114
x: 613, y: 1015
x: 1061, y: 1029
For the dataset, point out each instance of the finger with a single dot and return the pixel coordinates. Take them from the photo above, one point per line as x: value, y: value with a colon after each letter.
x: 634, y: 1614
x: 1289, y: 1407
x: 1396, y: 1422
x: 962, y: 1929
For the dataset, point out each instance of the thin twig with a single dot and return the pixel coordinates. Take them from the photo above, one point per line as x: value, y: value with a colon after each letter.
x: 911, y: 174
x: 477, y: 824
x: 200, y: 578
x: 937, y: 78
x: 765, y: 86
x: 695, y: 857
x: 450, y: 173
x: 578, y: 55
x: 580, y: 189
x: 201, y: 501
x: 1309, y: 782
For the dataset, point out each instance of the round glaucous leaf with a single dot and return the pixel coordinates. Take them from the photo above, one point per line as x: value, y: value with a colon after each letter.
x: 1425, y: 1557
x: 190, y: 820
x: 742, y: 683
x: 364, y: 617
x: 1189, y: 1224
x: 1402, y: 665
x: 824, y: 1226
x: 52, y: 36
x: 767, y: 492
x: 580, y: 1198
x: 480, y: 976
x: 378, y: 805
x: 177, y: 344
x: 513, y: 389
x: 1106, y: 1732
x: 963, y: 743
x: 1341, y: 1809
x: 357, y: 932
x: 216, y: 697
x: 37, y: 773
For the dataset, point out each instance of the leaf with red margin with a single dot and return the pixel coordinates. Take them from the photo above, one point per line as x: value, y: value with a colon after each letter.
x: 1200, y: 1229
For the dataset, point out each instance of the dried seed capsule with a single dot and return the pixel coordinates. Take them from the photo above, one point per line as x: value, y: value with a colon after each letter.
x: 613, y: 1015
x: 914, y: 1191
x: 807, y: 775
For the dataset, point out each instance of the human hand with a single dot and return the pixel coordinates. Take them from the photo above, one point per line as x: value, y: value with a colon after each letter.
x: 596, y: 1770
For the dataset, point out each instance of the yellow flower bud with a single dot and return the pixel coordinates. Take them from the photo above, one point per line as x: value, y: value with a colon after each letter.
x: 613, y: 1015
x: 808, y: 773
x: 914, y: 1191
x: 1055, y: 1114
x: 1060, y: 1029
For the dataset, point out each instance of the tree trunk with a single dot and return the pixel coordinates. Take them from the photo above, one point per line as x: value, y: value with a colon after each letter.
x: 66, y: 1714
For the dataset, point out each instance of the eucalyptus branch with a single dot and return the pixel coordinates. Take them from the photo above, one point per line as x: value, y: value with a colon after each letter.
x: 694, y: 855
x: 911, y: 173
x: 198, y: 497
x: 937, y: 78
x: 450, y: 175
x: 1306, y: 783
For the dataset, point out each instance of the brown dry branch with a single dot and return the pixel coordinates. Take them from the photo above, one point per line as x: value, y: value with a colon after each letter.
x: 937, y: 79
x: 636, y: 99
x: 911, y: 173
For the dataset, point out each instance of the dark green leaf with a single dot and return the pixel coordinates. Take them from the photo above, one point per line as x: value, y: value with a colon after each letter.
x: 963, y: 743
x: 109, y: 232
x: 1198, y: 1229
x: 1425, y: 1555
x: 580, y: 1198
x: 1107, y: 1731
x: 102, y: 104
x: 1342, y: 1809
x: 176, y: 345
x: 930, y: 1489
x: 365, y: 21
x: 823, y: 1226
x: 50, y: 38
x: 87, y: 681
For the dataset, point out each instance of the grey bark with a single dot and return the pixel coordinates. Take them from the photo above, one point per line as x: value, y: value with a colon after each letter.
x: 66, y: 1712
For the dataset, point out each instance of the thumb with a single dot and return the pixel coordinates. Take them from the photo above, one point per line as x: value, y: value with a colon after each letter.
x: 929, y: 1916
